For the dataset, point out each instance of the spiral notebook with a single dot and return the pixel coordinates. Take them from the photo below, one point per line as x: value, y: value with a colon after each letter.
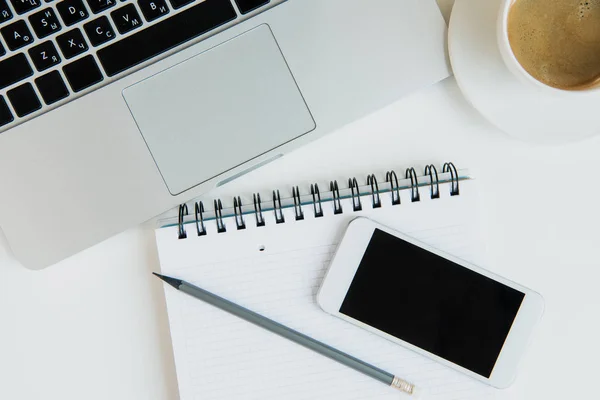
x: 270, y: 253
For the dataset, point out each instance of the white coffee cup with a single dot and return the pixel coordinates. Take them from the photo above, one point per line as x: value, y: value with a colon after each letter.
x: 516, y: 68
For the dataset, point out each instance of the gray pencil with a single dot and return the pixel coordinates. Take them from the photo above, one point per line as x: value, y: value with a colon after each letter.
x: 288, y: 333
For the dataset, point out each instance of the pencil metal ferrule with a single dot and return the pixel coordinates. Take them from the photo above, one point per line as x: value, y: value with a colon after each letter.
x: 403, y: 385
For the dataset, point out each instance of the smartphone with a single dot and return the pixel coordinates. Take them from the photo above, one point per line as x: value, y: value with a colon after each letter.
x: 430, y: 302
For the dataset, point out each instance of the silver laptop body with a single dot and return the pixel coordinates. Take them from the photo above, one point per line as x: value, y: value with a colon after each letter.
x: 150, y: 136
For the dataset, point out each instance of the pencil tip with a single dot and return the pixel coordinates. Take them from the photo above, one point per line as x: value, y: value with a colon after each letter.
x: 171, y: 281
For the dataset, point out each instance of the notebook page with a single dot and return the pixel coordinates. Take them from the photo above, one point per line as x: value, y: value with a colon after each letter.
x: 219, y: 356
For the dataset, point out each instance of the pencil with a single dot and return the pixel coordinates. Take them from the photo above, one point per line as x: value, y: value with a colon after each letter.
x: 290, y: 334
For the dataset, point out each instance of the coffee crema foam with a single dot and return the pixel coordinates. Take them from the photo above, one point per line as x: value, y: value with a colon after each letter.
x: 557, y: 41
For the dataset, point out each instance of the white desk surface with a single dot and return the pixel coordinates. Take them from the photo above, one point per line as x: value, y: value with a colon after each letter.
x: 95, y: 325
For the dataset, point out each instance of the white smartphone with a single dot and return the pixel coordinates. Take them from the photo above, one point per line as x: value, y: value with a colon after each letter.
x: 430, y: 302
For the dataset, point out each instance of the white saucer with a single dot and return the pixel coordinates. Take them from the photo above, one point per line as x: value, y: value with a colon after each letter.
x: 511, y: 105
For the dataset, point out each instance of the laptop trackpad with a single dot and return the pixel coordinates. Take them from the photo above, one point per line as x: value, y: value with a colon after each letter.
x: 219, y: 109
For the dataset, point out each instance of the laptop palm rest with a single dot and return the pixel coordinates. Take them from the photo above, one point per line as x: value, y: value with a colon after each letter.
x: 219, y: 109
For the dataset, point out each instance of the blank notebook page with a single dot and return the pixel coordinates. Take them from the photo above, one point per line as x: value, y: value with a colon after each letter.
x: 219, y: 356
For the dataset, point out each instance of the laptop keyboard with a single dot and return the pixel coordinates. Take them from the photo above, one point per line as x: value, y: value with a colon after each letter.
x: 54, y: 52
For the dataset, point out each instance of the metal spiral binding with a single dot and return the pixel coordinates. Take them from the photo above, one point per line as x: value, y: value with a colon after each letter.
x: 337, y: 202
x: 279, y: 219
x: 239, y: 216
x: 219, y: 216
x: 372, y: 180
x: 392, y: 178
x: 414, y: 184
x: 260, y: 220
x: 449, y: 167
x: 316, y: 195
x: 356, y: 204
x: 431, y: 171
x: 297, y: 204
x: 199, y: 211
x: 354, y: 189
x: 183, y: 211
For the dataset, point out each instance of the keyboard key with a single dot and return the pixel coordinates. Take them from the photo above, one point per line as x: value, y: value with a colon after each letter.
x: 153, y: 9
x: 82, y: 73
x: 13, y: 69
x: 24, y: 100
x: 44, y: 23
x: 23, y: 6
x: 17, y: 35
x: 126, y: 18
x: 99, y: 31
x: 44, y: 55
x: 5, y: 13
x: 180, y: 3
x: 6, y: 116
x: 165, y: 35
x: 245, y: 6
x: 2, y: 51
x: 52, y: 87
x: 72, y: 11
x: 100, y: 5
x: 72, y: 43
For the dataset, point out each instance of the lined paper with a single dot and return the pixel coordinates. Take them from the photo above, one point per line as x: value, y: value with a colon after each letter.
x: 219, y: 356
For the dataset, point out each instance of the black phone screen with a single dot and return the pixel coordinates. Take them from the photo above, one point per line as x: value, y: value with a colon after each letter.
x: 432, y: 303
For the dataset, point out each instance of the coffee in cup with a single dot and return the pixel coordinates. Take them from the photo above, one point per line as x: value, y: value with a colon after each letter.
x: 557, y: 42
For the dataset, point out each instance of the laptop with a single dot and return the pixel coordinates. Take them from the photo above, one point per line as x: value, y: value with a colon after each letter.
x: 114, y: 111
